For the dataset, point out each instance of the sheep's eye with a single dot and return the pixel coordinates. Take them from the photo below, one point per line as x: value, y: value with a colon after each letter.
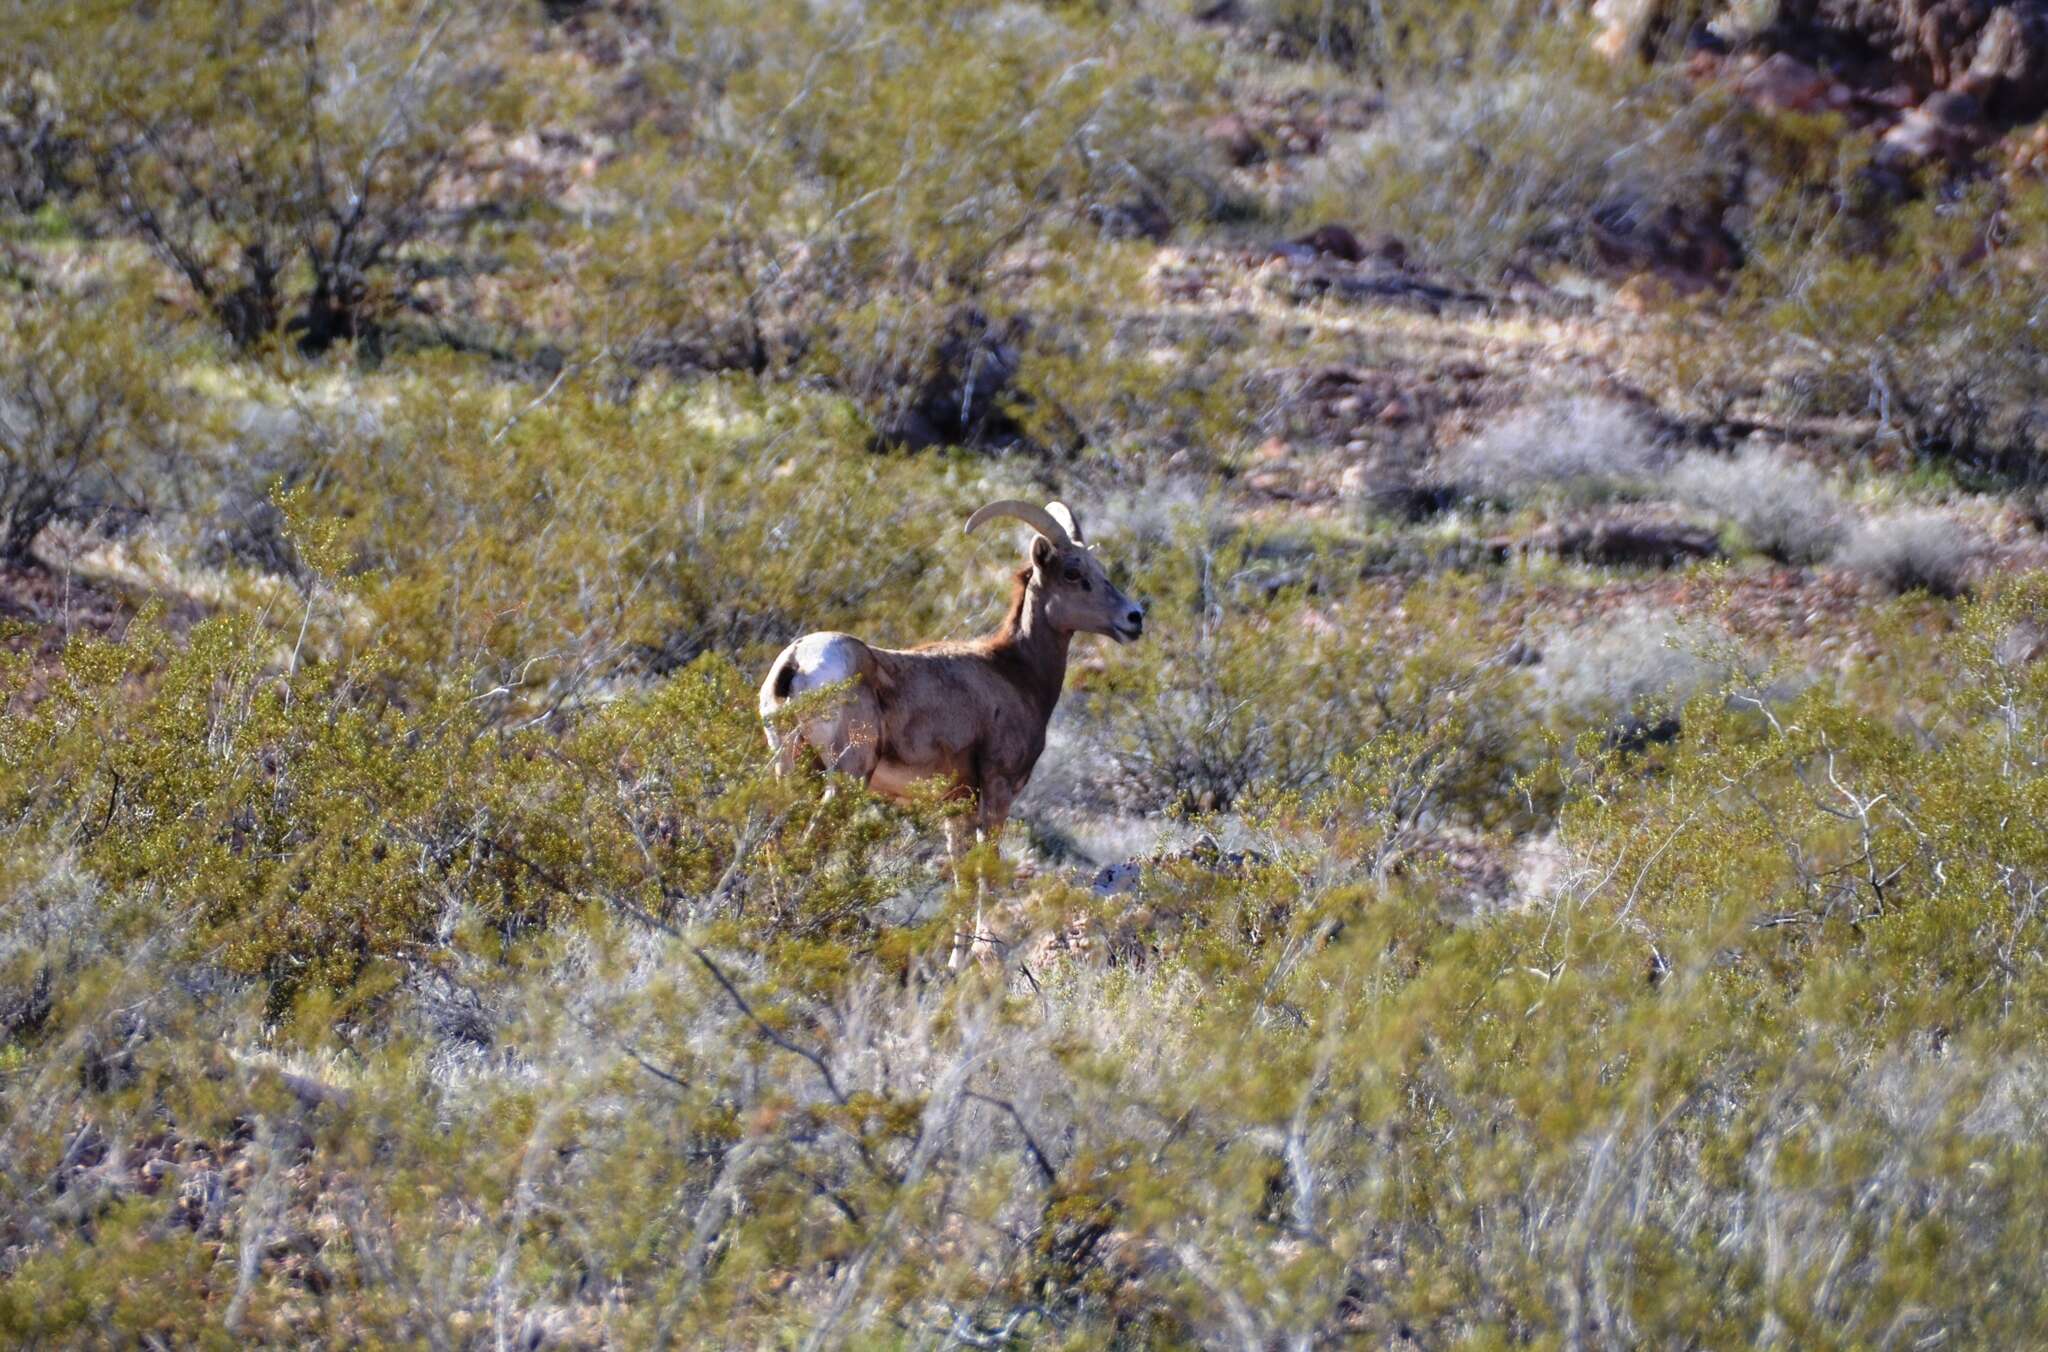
x: 1073, y: 574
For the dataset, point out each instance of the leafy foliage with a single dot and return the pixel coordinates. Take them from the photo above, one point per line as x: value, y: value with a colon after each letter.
x: 408, y: 942
x: 286, y: 171
x: 90, y: 419
x: 918, y: 229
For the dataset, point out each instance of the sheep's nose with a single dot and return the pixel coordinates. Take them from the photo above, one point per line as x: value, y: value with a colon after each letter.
x: 1136, y: 619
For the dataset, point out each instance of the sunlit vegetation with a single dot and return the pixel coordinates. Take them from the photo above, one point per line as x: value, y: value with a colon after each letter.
x: 1565, y: 866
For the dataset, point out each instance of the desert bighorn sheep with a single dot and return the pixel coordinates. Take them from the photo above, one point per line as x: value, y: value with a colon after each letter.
x: 971, y: 714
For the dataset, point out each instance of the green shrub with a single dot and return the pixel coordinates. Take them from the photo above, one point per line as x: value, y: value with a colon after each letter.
x: 1506, y: 137
x: 563, y: 545
x: 1386, y: 39
x: 92, y: 417
x: 287, y: 170
x: 1239, y: 693
x: 35, y: 152
x: 1793, y: 972
x: 407, y: 942
x: 1905, y: 307
x: 917, y: 229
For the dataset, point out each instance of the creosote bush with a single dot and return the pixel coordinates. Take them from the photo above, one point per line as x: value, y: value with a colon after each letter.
x: 287, y: 170
x: 1506, y: 137
x: 407, y: 942
x: 909, y: 231
x: 1797, y: 978
x: 1866, y: 295
x: 308, y: 833
x: 1249, y: 701
x: 92, y: 418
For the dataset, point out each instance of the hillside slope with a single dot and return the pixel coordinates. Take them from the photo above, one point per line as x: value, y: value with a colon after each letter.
x: 1565, y: 864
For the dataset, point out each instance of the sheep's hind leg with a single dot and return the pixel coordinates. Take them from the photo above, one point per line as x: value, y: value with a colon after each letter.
x: 849, y: 738
x: 847, y: 742
x: 782, y: 751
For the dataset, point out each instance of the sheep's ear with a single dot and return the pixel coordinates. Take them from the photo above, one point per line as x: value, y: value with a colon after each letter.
x: 1043, y: 551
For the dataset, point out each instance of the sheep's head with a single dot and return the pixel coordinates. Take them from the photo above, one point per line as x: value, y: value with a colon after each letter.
x: 1076, y: 593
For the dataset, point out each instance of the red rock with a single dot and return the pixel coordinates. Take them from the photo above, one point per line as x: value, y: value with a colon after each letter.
x: 1335, y: 241
x: 1955, y: 111
x: 1234, y: 136
x: 1388, y: 248
x: 1947, y: 126
x: 1785, y: 84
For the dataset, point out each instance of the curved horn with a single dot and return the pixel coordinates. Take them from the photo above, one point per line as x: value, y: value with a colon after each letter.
x: 1030, y: 514
x: 1060, y: 512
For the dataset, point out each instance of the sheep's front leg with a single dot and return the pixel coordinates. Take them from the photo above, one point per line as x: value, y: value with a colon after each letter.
x: 990, y: 815
x: 960, y: 838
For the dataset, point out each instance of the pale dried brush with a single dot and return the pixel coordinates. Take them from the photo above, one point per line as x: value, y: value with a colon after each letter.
x: 1636, y: 669
x: 1784, y: 508
x: 1581, y: 448
x: 1921, y: 550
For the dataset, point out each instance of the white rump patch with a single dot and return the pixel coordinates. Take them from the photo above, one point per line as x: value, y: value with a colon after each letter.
x: 822, y: 660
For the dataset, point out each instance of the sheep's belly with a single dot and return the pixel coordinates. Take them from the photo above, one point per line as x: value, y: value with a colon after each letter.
x: 896, y: 779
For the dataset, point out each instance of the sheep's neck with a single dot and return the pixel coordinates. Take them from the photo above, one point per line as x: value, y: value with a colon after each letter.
x: 1032, y: 650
